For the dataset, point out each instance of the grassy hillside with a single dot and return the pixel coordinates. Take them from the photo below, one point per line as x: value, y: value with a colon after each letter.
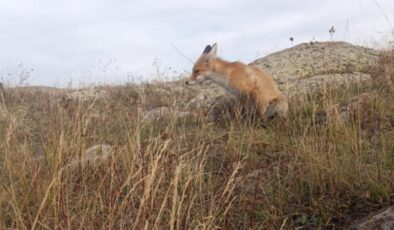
x: 185, y: 173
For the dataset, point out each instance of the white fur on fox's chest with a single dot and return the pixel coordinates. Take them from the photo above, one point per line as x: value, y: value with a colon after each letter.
x: 222, y: 81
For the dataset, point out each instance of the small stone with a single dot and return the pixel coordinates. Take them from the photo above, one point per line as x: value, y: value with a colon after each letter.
x: 95, y: 155
x: 87, y: 94
x: 164, y: 114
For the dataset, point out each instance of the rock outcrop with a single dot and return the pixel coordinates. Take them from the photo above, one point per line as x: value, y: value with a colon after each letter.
x: 306, y: 86
x: 317, y: 58
x: 382, y: 220
x: 163, y: 114
x: 307, y: 67
x: 95, y: 155
x: 87, y: 94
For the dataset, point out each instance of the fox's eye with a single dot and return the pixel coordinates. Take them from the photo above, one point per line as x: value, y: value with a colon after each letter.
x: 196, y: 71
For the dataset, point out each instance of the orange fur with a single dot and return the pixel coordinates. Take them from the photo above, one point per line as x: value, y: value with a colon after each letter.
x: 238, y: 78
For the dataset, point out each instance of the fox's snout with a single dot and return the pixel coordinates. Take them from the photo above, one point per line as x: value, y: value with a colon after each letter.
x: 193, y: 80
x: 188, y: 81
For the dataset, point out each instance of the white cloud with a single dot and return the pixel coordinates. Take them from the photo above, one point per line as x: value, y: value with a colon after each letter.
x: 64, y: 39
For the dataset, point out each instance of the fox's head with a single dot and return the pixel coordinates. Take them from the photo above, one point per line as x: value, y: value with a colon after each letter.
x: 203, y: 67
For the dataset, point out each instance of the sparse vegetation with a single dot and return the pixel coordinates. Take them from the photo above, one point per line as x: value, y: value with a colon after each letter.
x: 331, y: 31
x: 190, y: 173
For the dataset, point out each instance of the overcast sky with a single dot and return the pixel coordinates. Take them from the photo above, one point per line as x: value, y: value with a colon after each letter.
x: 102, y: 41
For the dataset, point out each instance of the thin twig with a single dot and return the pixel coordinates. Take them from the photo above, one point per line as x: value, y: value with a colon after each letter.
x: 180, y: 53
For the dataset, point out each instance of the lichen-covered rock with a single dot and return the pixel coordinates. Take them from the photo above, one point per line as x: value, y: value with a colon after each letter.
x: 163, y: 114
x: 97, y: 151
x: 87, y: 94
x: 305, y: 86
x: 156, y: 114
x: 317, y: 58
x: 344, y: 112
x: 382, y: 220
x: 95, y: 155
x: 354, y: 107
x: 201, y: 102
x: 179, y: 90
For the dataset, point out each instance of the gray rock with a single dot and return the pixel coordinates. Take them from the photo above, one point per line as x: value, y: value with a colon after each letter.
x: 305, y: 86
x: 156, y: 114
x: 94, y: 155
x: 354, y: 106
x: 163, y: 114
x: 87, y: 94
x: 319, y: 58
x: 201, y: 102
x: 344, y: 112
x: 97, y: 151
x: 162, y: 92
x: 179, y: 90
x: 382, y: 220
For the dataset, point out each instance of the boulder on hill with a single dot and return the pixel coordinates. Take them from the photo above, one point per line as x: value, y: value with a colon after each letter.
x: 317, y: 58
x: 87, y: 94
x: 307, y: 67
x: 95, y: 156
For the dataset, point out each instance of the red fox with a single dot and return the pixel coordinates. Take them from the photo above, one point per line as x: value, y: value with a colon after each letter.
x: 240, y: 79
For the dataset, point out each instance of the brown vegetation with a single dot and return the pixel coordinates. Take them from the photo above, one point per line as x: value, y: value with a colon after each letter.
x: 189, y: 173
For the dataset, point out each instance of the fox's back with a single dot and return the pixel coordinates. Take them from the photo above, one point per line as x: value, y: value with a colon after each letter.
x: 250, y: 78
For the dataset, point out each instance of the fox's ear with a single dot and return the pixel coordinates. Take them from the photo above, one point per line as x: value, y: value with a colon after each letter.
x: 213, y: 50
x: 207, y: 49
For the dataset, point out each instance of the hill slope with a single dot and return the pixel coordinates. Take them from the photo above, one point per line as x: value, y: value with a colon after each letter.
x: 317, y: 58
x: 89, y: 159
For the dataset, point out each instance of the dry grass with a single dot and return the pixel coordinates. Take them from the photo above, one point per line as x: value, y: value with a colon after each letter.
x: 183, y: 174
